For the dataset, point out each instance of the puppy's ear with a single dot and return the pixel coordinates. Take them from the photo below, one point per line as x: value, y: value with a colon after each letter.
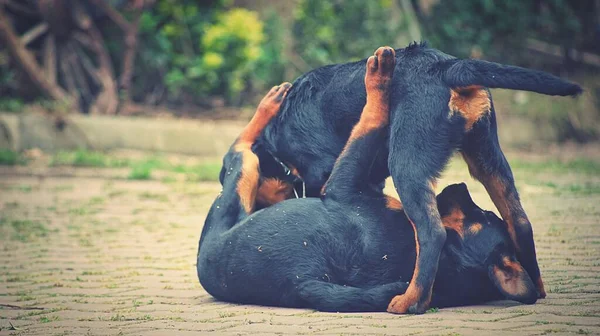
x: 453, y: 196
x: 511, y: 279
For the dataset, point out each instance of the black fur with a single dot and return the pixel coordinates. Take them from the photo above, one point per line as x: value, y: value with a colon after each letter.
x: 344, y: 252
x: 324, y: 104
x: 351, y: 249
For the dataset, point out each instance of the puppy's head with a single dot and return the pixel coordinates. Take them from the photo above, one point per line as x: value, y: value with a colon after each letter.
x: 479, y: 244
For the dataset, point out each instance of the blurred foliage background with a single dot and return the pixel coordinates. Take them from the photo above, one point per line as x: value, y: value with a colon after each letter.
x: 204, y: 55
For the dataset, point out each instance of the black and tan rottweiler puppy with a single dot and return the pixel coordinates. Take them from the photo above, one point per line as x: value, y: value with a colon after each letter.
x: 438, y: 104
x: 353, y: 248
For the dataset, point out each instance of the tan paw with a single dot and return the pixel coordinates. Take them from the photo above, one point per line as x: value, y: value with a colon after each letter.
x: 408, y: 303
x: 380, y: 69
x: 272, y: 101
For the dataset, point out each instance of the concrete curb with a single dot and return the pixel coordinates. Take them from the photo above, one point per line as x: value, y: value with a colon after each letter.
x: 194, y: 137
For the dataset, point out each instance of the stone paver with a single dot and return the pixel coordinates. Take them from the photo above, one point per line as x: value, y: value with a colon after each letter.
x: 107, y: 256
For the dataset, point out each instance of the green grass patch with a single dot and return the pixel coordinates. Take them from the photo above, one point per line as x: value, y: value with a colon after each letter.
x: 23, y: 230
x: 153, y: 196
x: 96, y: 200
x: 92, y: 273
x: 13, y: 105
x: 83, y: 211
x: 141, y: 172
x: 577, y: 166
x: 10, y: 158
x: 25, y: 297
x: 84, y: 158
x: 117, y: 317
x: 168, y: 179
x: 25, y: 188
x: 63, y: 188
x: 203, y: 172
x: 116, y: 193
x: 141, y: 169
x: 46, y: 319
x: 585, y: 189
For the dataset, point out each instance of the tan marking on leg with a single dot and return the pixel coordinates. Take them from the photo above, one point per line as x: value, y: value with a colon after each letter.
x: 471, y: 102
x: 248, y: 183
x: 401, y: 303
x: 375, y: 113
x: 473, y: 170
x: 267, y: 109
x: 496, y: 189
x: 393, y: 203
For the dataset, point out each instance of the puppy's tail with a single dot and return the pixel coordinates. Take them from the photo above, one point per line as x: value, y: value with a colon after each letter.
x: 330, y: 297
x: 460, y: 73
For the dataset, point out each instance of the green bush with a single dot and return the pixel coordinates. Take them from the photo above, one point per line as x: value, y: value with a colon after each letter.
x: 271, y: 65
x: 499, y: 28
x: 10, y: 158
x: 198, y: 51
x: 11, y: 105
x: 340, y: 31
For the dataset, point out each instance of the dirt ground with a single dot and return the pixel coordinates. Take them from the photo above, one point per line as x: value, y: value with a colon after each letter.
x: 85, y: 252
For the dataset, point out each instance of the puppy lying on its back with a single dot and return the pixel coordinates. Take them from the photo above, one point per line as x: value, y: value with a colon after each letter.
x: 353, y: 249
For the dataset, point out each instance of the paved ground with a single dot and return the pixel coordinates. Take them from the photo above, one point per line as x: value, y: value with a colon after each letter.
x: 87, y: 253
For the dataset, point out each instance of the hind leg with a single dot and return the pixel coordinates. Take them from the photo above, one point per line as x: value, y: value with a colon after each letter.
x: 419, y: 149
x: 487, y: 164
x: 351, y: 170
x: 331, y: 297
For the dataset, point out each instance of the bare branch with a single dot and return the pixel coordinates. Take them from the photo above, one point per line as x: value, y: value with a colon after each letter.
x: 84, y: 40
x: 20, y: 8
x: 67, y: 75
x: 50, y: 59
x: 34, y: 33
x: 131, y: 42
x: 112, y: 14
x: 107, y: 101
x: 83, y: 86
x: 88, y: 66
x: 413, y: 22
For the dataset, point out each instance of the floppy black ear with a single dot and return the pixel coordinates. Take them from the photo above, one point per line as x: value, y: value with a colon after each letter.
x: 452, y: 196
x: 511, y: 279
